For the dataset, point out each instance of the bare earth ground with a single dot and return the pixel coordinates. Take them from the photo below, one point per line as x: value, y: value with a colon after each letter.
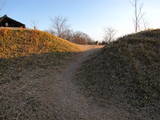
x: 70, y: 103
x: 56, y: 96
x: 54, y: 87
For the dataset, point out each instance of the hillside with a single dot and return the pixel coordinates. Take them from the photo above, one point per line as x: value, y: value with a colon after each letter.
x: 126, y: 72
x: 32, y: 47
x: 29, y: 60
x: 23, y: 42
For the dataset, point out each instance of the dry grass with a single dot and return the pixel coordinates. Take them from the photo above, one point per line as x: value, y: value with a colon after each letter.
x: 22, y: 53
x: 25, y: 47
x: 23, y: 42
x: 126, y: 71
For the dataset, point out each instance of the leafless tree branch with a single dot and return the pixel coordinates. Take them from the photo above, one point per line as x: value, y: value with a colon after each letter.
x: 138, y: 14
x: 109, y: 34
x: 59, y: 26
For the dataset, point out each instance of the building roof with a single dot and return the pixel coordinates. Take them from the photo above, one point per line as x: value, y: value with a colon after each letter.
x: 5, y: 16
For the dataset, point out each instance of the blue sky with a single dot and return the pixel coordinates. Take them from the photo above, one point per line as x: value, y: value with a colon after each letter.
x: 90, y: 16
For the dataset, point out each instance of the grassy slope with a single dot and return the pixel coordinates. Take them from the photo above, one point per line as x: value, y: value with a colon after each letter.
x: 25, y: 56
x: 127, y: 70
x: 23, y: 42
x: 32, y: 47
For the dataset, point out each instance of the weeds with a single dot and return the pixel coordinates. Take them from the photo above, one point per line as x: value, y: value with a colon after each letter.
x: 23, y: 51
x: 127, y: 70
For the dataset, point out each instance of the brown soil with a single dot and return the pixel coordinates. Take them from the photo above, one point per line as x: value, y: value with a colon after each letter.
x: 74, y: 105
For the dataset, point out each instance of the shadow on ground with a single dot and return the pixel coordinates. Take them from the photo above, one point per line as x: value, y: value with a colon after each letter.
x: 26, y: 85
x: 21, y: 91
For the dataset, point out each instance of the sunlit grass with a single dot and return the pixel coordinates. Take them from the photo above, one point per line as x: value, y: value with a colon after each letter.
x: 23, y: 42
x: 25, y: 56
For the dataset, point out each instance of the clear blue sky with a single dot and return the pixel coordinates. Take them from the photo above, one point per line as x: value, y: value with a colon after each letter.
x: 90, y: 16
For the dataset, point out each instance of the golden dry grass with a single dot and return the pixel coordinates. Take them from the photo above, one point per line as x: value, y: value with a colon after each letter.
x: 25, y: 56
x: 23, y: 42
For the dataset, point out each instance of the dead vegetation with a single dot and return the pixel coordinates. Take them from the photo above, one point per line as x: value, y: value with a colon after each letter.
x: 24, y: 57
x: 126, y: 71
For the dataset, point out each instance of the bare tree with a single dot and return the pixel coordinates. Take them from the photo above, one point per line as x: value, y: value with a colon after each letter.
x: 138, y: 14
x: 81, y: 38
x: 34, y: 24
x: 61, y: 29
x: 109, y: 34
x: 68, y: 34
x: 145, y: 24
x: 59, y: 26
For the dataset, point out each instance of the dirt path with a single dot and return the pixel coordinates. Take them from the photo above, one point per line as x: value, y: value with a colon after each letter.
x: 50, y: 90
x: 75, y: 106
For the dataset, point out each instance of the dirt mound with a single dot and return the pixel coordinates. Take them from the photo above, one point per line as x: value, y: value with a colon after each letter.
x: 28, y: 61
x: 126, y: 71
